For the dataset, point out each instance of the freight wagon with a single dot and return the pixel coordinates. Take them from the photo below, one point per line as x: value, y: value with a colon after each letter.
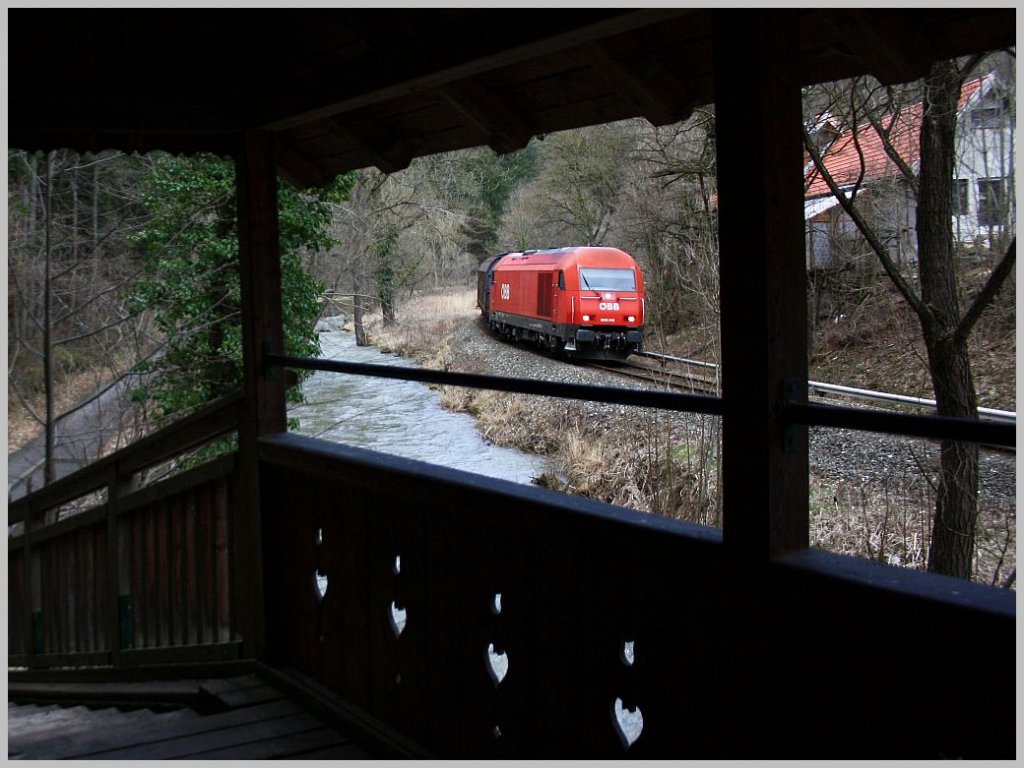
x: 585, y: 301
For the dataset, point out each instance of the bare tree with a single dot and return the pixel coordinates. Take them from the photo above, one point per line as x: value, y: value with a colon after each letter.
x: 936, y: 297
x: 574, y: 197
x: 70, y: 266
x: 395, y: 233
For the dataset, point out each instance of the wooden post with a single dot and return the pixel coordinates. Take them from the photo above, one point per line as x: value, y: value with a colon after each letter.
x: 763, y: 280
x: 121, y: 483
x: 263, y: 411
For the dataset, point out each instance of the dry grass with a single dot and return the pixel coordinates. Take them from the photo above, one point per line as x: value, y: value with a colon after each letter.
x: 645, y: 465
x: 651, y: 466
x: 654, y: 468
x: 424, y: 326
x: 892, y: 524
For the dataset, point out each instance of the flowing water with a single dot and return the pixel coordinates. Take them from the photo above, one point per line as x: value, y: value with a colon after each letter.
x: 403, y: 418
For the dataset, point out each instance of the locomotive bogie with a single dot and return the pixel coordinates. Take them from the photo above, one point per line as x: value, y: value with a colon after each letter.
x: 585, y: 301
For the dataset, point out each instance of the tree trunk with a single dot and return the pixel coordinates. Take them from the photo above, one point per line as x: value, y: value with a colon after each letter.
x: 95, y: 207
x: 387, y: 308
x: 357, y: 313
x: 49, y: 467
x: 956, y: 511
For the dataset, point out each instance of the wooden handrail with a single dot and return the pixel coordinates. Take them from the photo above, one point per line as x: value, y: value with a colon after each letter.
x: 486, y: 619
x: 208, y: 423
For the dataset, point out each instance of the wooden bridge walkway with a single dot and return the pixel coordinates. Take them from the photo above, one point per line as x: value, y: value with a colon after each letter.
x: 239, y: 718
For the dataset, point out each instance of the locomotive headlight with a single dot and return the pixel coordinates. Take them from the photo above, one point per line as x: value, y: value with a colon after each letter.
x: 586, y: 318
x: 631, y: 319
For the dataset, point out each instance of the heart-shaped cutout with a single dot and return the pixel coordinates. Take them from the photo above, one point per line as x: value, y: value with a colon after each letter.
x: 627, y: 656
x: 629, y: 723
x: 497, y: 665
x: 320, y: 585
x: 397, y: 618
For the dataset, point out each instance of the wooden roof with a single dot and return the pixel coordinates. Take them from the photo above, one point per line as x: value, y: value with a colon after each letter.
x: 859, y: 154
x: 352, y: 88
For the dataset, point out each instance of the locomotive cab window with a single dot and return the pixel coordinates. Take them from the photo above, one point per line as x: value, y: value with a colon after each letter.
x: 561, y: 281
x: 608, y: 279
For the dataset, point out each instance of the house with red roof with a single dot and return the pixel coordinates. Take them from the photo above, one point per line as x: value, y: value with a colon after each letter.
x: 869, y: 164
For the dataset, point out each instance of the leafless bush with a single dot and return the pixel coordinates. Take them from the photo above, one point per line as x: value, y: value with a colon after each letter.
x: 892, y: 523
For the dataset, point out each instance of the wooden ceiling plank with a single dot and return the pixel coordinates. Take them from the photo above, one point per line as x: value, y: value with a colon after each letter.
x: 328, y: 106
x: 633, y: 90
x: 504, y: 130
x: 388, y: 152
x: 298, y: 169
x: 888, y: 50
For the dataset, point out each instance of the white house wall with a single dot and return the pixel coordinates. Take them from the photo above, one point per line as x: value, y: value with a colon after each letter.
x: 986, y: 153
x: 982, y: 153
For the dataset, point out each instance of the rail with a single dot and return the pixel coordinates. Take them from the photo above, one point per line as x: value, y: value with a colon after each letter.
x: 103, y: 571
x: 853, y: 393
x: 986, y: 414
x: 939, y: 427
x: 993, y: 427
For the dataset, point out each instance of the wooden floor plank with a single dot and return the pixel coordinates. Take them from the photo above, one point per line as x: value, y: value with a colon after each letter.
x: 260, y: 722
x: 158, y: 690
x: 191, y: 744
x: 27, y: 719
x: 74, y: 720
x: 276, y: 748
x: 89, y: 735
x: 25, y: 711
x: 223, y: 685
x: 156, y: 732
x: 246, y: 697
x: 348, y: 751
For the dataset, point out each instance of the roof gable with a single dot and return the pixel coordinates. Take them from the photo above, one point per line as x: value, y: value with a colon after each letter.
x: 859, y: 156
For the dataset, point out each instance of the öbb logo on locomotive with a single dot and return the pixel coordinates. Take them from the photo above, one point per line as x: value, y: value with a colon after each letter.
x: 580, y: 301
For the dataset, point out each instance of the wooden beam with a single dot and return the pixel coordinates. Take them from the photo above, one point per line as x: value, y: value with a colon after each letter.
x: 503, y: 129
x: 632, y: 89
x: 263, y: 409
x: 389, y: 152
x: 889, y: 48
x: 298, y: 169
x: 389, y: 76
x: 763, y: 281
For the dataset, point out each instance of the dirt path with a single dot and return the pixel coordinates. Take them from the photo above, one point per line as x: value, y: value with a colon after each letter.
x: 81, y: 436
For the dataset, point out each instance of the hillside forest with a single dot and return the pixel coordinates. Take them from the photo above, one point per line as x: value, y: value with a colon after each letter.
x: 122, y: 262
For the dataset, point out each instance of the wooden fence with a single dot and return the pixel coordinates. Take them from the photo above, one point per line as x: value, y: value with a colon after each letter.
x: 486, y: 619
x: 103, y: 572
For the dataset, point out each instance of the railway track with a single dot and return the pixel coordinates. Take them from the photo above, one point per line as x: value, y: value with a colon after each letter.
x: 678, y: 378
x: 699, y: 377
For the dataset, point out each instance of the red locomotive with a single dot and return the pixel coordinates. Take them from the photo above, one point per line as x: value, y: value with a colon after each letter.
x: 587, y: 301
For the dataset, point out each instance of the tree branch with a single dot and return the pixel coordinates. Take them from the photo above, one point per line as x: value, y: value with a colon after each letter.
x: 887, y: 264
x: 24, y: 402
x: 885, y: 134
x: 95, y: 331
x: 995, y: 281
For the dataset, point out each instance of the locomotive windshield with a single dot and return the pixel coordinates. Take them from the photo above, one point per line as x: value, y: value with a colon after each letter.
x: 608, y: 279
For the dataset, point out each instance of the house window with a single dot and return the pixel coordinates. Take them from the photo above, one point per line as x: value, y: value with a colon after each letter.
x: 987, y: 117
x: 991, y: 202
x: 960, y: 188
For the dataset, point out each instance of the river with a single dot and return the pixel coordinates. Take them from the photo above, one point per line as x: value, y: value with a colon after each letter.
x: 403, y: 418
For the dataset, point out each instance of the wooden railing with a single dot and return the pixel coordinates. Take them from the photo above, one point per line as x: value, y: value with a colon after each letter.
x: 135, y: 574
x: 486, y: 619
